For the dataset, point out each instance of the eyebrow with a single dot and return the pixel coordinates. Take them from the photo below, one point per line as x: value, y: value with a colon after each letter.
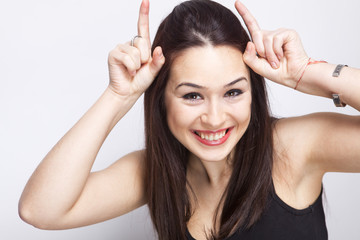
x: 202, y: 87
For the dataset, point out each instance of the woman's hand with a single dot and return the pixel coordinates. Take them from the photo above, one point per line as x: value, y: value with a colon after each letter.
x: 277, y: 55
x: 132, y: 68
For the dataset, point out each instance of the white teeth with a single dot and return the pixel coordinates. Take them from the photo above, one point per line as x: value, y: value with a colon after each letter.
x: 211, y: 136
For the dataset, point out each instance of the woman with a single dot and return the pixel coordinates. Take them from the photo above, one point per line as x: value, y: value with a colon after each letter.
x: 215, y: 165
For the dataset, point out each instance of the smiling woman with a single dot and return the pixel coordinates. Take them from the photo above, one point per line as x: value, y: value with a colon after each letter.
x: 204, y: 58
x: 202, y: 99
x: 216, y: 165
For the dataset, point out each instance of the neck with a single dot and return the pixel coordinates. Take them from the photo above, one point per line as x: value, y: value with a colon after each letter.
x: 213, y: 173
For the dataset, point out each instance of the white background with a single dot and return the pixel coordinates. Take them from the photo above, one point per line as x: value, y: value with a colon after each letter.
x: 53, y: 66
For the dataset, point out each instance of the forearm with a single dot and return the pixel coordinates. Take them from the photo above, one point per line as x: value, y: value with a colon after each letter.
x: 318, y: 80
x: 60, y: 178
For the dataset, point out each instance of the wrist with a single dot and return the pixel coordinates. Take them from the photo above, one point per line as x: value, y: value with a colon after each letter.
x: 127, y: 99
x: 309, y: 61
x: 115, y: 106
x: 318, y: 80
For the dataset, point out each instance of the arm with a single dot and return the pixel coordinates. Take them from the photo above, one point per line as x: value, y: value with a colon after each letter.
x: 62, y: 193
x: 329, y: 141
x: 54, y: 190
x: 321, y: 142
x: 334, y: 138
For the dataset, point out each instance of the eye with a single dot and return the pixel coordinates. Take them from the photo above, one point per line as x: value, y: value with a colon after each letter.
x: 233, y: 93
x: 193, y: 96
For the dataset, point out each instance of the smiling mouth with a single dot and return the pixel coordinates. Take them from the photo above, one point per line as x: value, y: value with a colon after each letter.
x: 212, y: 136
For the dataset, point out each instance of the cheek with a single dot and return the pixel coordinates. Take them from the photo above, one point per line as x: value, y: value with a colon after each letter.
x: 243, y: 115
x: 180, y: 118
x: 177, y: 116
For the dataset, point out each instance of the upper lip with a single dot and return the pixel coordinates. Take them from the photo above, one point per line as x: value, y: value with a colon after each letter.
x: 211, y: 131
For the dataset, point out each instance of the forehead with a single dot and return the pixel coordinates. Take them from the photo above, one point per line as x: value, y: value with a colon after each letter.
x: 208, y: 66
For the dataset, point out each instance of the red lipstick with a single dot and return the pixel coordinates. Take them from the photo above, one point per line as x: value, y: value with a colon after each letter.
x: 213, y: 142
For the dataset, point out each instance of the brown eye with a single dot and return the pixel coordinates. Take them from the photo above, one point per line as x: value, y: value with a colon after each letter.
x: 233, y: 93
x: 192, y: 96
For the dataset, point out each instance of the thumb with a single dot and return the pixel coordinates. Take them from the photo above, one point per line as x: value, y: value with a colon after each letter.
x: 157, y: 61
x: 253, y: 61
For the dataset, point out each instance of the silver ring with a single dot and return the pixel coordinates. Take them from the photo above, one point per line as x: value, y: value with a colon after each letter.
x: 133, y: 39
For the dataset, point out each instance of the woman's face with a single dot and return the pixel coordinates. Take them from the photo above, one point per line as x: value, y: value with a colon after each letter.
x: 208, y: 100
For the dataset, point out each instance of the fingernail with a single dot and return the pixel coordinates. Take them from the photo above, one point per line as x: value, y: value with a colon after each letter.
x: 274, y: 65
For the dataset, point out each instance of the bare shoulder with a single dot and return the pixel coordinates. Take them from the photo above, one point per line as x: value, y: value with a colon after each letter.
x: 291, y: 145
x: 292, y: 135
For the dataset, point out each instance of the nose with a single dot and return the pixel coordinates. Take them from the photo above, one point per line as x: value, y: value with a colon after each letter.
x: 213, y: 116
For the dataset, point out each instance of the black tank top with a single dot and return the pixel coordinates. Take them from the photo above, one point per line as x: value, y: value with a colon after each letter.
x: 282, y: 222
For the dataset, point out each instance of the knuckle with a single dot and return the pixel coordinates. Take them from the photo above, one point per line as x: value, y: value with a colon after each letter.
x: 126, y: 58
x: 271, y: 58
x: 270, y: 55
x: 260, y: 51
x: 292, y: 32
x: 269, y: 52
x: 135, y: 57
x: 278, y: 50
x: 111, y: 54
x: 130, y: 66
x: 281, y: 29
x: 268, y: 39
x: 135, y: 52
x: 277, y: 38
x: 257, y: 34
x: 120, y: 46
x: 114, y: 55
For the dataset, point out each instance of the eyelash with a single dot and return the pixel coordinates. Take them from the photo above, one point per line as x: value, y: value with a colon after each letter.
x: 190, y: 96
x: 236, y: 93
x: 194, y: 96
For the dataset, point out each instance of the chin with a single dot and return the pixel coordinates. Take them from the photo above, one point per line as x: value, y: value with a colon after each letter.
x: 211, y: 156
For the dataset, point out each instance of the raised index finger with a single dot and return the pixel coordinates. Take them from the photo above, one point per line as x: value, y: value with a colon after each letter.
x: 143, y: 22
x: 248, y: 18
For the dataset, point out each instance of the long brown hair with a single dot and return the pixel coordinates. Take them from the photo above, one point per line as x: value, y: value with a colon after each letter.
x: 192, y: 24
